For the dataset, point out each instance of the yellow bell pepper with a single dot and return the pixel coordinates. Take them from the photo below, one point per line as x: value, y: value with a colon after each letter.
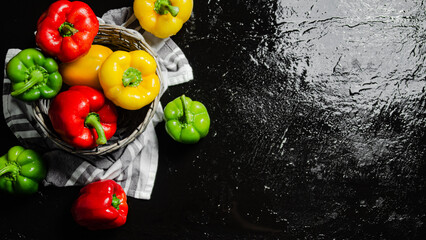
x: 129, y: 79
x: 84, y: 70
x: 163, y: 18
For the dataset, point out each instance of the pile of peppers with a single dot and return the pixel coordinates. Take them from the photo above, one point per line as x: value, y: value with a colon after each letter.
x: 107, y: 79
x: 83, y: 111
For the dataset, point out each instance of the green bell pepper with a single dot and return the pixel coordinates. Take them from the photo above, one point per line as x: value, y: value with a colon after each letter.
x: 21, y: 170
x: 33, y: 76
x: 186, y: 121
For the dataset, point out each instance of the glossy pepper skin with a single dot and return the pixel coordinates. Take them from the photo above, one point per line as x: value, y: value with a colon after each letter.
x: 187, y: 121
x: 129, y: 79
x: 162, y: 18
x: 83, y: 117
x: 21, y: 170
x: 84, y: 70
x: 33, y: 76
x: 101, y: 205
x: 67, y: 29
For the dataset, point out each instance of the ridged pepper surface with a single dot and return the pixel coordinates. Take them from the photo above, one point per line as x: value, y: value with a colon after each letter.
x: 83, y: 117
x: 101, y: 205
x: 67, y: 29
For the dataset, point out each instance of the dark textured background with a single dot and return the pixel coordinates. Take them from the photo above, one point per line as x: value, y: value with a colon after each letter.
x: 318, y: 127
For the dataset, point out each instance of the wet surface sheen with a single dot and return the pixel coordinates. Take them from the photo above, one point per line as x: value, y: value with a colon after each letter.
x: 326, y: 100
x: 318, y: 112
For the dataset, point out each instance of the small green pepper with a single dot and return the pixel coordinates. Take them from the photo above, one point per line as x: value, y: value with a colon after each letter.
x: 21, y: 170
x: 186, y: 121
x: 33, y: 76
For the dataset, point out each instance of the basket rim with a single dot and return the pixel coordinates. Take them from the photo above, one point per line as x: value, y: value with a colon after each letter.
x: 104, y: 149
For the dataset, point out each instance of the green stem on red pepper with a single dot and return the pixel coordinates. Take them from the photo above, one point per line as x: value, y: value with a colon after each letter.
x: 115, y: 202
x: 90, y: 109
x: 67, y: 29
x: 93, y: 120
x: 65, y: 19
x: 93, y: 209
x: 163, y: 7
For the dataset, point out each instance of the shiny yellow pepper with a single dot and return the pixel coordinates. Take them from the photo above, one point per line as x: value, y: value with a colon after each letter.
x: 129, y: 79
x: 163, y: 18
x: 84, y: 70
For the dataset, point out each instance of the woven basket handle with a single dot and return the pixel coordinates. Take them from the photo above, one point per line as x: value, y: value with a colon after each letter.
x: 129, y: 21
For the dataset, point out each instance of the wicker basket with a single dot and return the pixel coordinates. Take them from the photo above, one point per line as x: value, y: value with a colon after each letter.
x: 116, y: 38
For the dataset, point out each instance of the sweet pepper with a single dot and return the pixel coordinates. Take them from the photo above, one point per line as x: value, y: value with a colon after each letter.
x: 186, y: 121
x: 67, y: 29
x: 83, y: 117
x: 100, y: 205
x: 129, y: 79
x: 84, y: 71
x: 21, y: 170
x: 163, y: 18
x: 33, y: 76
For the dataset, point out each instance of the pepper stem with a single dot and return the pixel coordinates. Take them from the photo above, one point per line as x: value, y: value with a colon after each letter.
x: 163, y: 7
x: 36, y: 76
x: 93, y: 120
x: 9, y: 169
x: 186, y: 116
x: 67, y: 29
x: 115, y: 202
x: 131, y: 77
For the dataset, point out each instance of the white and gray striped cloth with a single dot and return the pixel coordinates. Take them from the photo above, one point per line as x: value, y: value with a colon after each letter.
x: 134, y: 167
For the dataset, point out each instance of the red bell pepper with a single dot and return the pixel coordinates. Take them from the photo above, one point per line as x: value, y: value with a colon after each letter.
x: 67, y: 29
x: 83, y: 117
x: 101, y: 205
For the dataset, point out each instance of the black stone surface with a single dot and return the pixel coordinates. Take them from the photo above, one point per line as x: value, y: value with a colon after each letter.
x: 318, y: 127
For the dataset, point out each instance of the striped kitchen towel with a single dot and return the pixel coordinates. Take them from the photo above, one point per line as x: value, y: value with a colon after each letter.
x: 134, y: 167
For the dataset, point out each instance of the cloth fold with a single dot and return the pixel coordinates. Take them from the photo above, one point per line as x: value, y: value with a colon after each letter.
x: 134, y: 167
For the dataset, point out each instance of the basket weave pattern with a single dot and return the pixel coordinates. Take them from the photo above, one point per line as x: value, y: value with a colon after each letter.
x: 130, y: 123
